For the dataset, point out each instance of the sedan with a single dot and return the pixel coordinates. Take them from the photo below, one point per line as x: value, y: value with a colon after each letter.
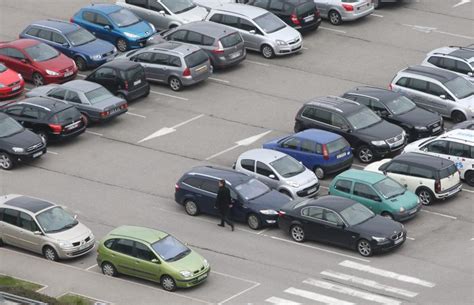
x: 11, y: 82
x: 342, y: 222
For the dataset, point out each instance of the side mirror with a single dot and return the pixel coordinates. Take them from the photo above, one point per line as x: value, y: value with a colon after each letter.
x: 162, y: 13
x: 470, y: 74
x: 37, y: 233
x: 75, y: 216
x: 345, y: 128
x: 66, y: 45
x: 377, y: 198
x: 384, y: 113
x: 341, y: 225
x: 271, y: 176
x: 252, y: 32
x: 384, y: 172
x: 155, y: 261
x: 107, y: 27
x: 24, y: 60
x: 443, y: 96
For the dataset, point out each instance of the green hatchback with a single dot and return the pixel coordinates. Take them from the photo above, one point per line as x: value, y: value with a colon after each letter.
x: 152, y: 255
x: 379, y: 193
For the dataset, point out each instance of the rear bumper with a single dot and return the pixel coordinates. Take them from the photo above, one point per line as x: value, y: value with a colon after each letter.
x: 449, y: 192
x: 309, y: 26
x: 222, y: 63
x: 349, y: 16
x: 137, y: 93
x: 334, y: 168
x: 196, y: 79
x: 69, y: 135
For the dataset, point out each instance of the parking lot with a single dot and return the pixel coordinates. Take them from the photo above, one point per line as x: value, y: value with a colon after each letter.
x: 124, y: 172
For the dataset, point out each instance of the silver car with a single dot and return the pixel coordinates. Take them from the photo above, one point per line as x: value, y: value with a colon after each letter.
x: 165, y: 14
x: 261, y: 30
x: 459, y: 60
x: 338, y: 11
x: 279, y: 171
x: 173, y: 63
x: 42, y: 227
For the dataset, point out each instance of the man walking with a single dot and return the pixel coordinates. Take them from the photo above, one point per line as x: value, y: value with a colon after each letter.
x: 224, y: 204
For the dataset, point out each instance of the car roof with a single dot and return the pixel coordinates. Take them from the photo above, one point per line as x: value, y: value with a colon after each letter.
x: 120, y: 64
x: 30, y: 204
x: 231, y: 176
x: 46, y: 103
x: 183, y: 49
x: 424, y: 160
x: 215, y: 30
x: 435, y: 73
x: 62, y: 26
x: 379, y: 93
x: 317, y: 135
x: 144, y: 234
x: 466, y: 53
x: 362, y: 175
x: 22, y: 43
x: 334, y: 203
x: 81, y: 85
x: 338, y: 103
x: 103, y: 7
x: 465, y: 135
x: 241, y: 9
x: 263, y: 155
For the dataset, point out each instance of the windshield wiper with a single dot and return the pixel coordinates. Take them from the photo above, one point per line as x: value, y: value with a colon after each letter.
x: 185, y: 9
x: 179, y: 255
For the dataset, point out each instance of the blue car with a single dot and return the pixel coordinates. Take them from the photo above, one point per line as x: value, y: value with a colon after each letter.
x: 253, y: 201
x: 322, y: 151
x: 115, y: 24
x: 73, y: 41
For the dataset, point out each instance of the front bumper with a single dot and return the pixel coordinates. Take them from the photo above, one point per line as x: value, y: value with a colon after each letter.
x: 136, y: 44
x: 389, y: 244
x: 49, y: 79
x: 408, y: 214
x: 186, y: 283
x: 8, y: 92
x: 449, y: 192
x: 30, y: 155
x: 382, y: 151
x: 309, y: 191
x: 289, y: 48
x: 76, y: 251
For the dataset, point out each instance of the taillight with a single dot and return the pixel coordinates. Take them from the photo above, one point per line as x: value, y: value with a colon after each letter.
x: 125, y: 85
x: 176, y: 187
x: 390, y: 87
x: 55, y: 128
x: 325, y: 152
x: 124, y: 106
x: 219, y: 50
x: 104, y: 114
x: 295, y: 19
x: 71, y: 20
x: 317, y: 13
x: 187, y: 72
x: 437, y: 186
x: 348, y: 7
x: 281, y: 213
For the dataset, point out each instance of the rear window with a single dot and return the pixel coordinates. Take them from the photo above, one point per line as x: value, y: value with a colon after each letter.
x: 305, y: 8
x: 337, y: 145
x: 196, y: 58
x: 231, y: 40
x: 133, y: 73
x: 66, y: 115
x: 448, y: 171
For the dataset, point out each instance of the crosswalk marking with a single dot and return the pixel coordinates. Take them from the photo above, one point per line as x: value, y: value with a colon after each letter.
x: 386, y: 273
x: 369, y: 283
x: 317, y: 297
x: 352, y: 292
x: 280, y: 301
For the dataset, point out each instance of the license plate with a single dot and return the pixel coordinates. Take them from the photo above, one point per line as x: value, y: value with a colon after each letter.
x: 398, y: 241
x: 201, y: 69
x: 309, y: 18
x: 137, y: 82
x: 69, y: 73
x: 72, y: 126
x: 412, y: 212
x: 341, y: 155
x: 311, y: 190
x: 234, y: 55
x: 202, y: 276
x: 36, y: 155
x: 16, y: 88
x: 436, y: 129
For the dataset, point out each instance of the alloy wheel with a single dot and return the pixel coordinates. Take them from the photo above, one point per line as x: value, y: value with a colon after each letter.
x: 365, y: 155
x: 168, y: 283
x: 335, y: 18
x: 253, y: 222
x: 175, y: 84
x: 364, y: 248
x: 122, y: 45
x: 50, y: 254
x: 297, y: 233
x: 319, y: 172
x: 425, y: 197
x: 267, y: 51
x: 108, y: 269
x: 38, y: 79
x: 5, y: 161
x: 191, y: 208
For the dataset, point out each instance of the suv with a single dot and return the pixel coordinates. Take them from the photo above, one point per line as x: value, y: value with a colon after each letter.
x: 165, y: 14
x: 459, y: 60
x: 397, y: 109
x: 427, y: 176
x: 262, y: 31
x: 49, y: 118
x: 338, y: 11
x: 123, y: 78
x: 172, y: 63
x: 367, y: 133
x: 439, y: 90
x: 253, y: 201
x: 73, y: 41
x: 456, y: 145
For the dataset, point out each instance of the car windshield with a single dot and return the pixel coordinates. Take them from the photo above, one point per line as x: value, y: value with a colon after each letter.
x: 41, y: 52
x: 363, y: 119
x: 56, y: 220
x: 2, y: 68
x: 287, y: 166
x: 80, y: 37
x: 269, y: 23
x: 178, y: 6
x: 460, y: 87
x: 124, y: 18
x: 400, y: 105
x: 9, y: 127
x: 170, y: 249
x: 98, y: 95
x: 356, y: 214
x: 252, y: 189
x: 389, y: 188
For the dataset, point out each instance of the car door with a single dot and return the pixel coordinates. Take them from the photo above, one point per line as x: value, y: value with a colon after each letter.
x: 460, y: 154
x: 122, y: 256
x: 206, y: 197
x: 266, y: 175
x: 323, y: 7
x: 83, y: 106
x: 240, y: 208
x: 291, y: 146
x: 334, y: 229
x: 252, y: 35
x: 312, y: 222
x: 247, y: 166
x: 57, y: 93
x: 146, y: 61
x: 440, y: 99
x: 400, y: 173
x: 147, y: 265
x: 342, y: 187
x: 31, y: 118
x: 104, y: 29
x: 27, y: 237
x: 160, y: 15
x: 364, y: 194
x: 9, y: 227
x: 105, y: 76
x: 15, y: 111
x: 16, y: 60
x: 59, y: 42
x: 160, y: 66
x: 138, y: 7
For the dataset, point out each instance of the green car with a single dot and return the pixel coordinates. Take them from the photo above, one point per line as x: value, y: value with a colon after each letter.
x: 152, y: 255
x: 379, y: 193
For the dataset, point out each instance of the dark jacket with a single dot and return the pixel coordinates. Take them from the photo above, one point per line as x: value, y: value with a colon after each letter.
x: 223, y: 200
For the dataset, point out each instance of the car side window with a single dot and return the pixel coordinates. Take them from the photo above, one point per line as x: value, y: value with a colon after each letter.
x: 310, y: 113
x: 363, y: 100
x: 248, y: 164
x: 291, y: 143
x: 31, y: 112
x: 436, y: 90
x: 459, y: 150
x: 338, y: 121
x: 264, y: 170
x: 101, y: 20
x: 11, y: 216
x: 88, y: 16
x: 123, y: 246
x: 210, y: 186
x: 140, y: 3
x: 418, y: 84
x: 14, y: 53
x: 143, y: 252
x: 313, y: 212
x: 27, y: 222
x: 161, y: 59
x: 448, y: 63
x: 109, y: 243
x: 33, y: 31
x: 15, y: 110
x: 45, y: 34
x: 193, y: 181
x: 332, y: 217
x: 462, y: 67
x: 58, y: 93
x: 308, y: 146
x: 207, y: 41
x: 58, y: 38
x: 378, y: 107
x: 194, y: 38
x: 434, y: 60
x: 178, y: 35
x: 438, y: 147
x: 174, y: 61
x: 397, y: 168
x: 324, y: 116
x: 230, y: 20
x: 216, y: 18
x: 248, y: 26
x: 105, y: 72
x: 365, y: 191
x: 157, y: 7
x: 73, y: 97
x: 343, y: 185
x: 421, y: 172
x: 403, y: 82
x: 145, y: 57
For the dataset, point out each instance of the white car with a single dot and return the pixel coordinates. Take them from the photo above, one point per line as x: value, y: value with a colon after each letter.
x: 459, y: 60
x: 456, y: 145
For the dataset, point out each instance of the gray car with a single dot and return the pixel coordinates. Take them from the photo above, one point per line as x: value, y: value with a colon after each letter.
x: 165, y: 14
x: 261, y: 30
x: 279, y: 171
x: 95, y: 102
x: 338, y: 11
x: 42, y: 227
x: 172, y: 63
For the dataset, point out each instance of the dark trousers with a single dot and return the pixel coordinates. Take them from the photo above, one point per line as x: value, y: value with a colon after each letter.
x: 225, y: 218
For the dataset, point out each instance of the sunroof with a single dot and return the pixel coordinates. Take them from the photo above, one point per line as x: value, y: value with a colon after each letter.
x: 31, y: 204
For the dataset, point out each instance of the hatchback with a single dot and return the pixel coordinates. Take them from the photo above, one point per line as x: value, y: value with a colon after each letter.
x: 37, y: 61
x: 151, y: 255
x: 11, y: 83
x: 321, y: 151
x: 50, y: 119
x: 279, y: 171
x: 123, y: 78
x: 73, y: 41
x: 254, y: 202
x: 114, y: 24
x: 338, y: 11
x: 172, y: 63
x: 459, y: 60
x: 43, y: 227
x: 381, y: 194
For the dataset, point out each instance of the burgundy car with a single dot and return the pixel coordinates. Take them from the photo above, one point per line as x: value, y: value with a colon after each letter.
x: 37, y: 62
x: 11, y: 83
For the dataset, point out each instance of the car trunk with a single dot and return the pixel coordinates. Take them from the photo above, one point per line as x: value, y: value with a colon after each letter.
x: 198, y: 64
x: 449, y: 177
x: 134, y: 77
x: 69, y: 119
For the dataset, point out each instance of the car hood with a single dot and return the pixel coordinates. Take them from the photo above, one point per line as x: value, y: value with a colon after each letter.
x: 196, y: 14
x: 407, y: 201
x: 272, y: 200
x: 468, y: 102
x: 273, y: 143
x: 303, y: 179
x: 97, y: 46
x: 8, y: 77
x: 76, y: 233
x: 56, y: 64
x: 415, y: 146
x: 23, y: 139
x: 155, y: 39
x: 191, y: 262
x: 111, y: 102
x: 286, y: 34
x: 41, y: 90
x: 142, y: 29
x: 418, y: 117
x: 381, y: 131
x: 379, y: 226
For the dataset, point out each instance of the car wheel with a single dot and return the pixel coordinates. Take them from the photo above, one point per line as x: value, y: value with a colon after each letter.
x: 319, y: 172
x: 1, y: 243
x: 43, y: 135
x: 191, y: 207
x: 6, y: 161
x: 469, y: 177
x: 286, y: 193
x: 364, y: 248
x: 335, y: 17
x: 80, y: 63
x: 122, y: 45
x: 50, y: 254
x: 458, y: 116
x: 297, y: 233
x: 387, y: 215
x: 168, y: 283
x: 38, y: 79
x: 175, y: 84
x: 425, y: 195
x: 253, y: 222
x: 108, y: 269
x: 365, y: 154
x: 298, y: 127
x: 267, y: 51
x: 86, y: 119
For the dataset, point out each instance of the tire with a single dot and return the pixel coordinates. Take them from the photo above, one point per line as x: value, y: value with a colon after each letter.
x: 1, y: 243
x: 364, y: 248
x: 298, y: 127
x: 44, y: 136
x: 191, y: 207
x: 168, y: 283
x: 50, y: 254
x: 121, y: 45
x: 253, y: 221
x: 387, y: 215
x: 38, y: 79
x: 469, y: 177
x: 425, y: 195
x: 80, y: 63
x: 365, y: 154
x: 319, y: 172
x: 458, y: 116
x: 175, y: 83
x: 86, y: 119
x: 334, y: 17
x: 108, y: 269
x: 286, y: 193
x: 6, y: 162
x: 267, y: 51
x: 297, y: 233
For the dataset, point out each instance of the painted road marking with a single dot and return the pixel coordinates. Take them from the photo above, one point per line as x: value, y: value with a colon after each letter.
x: 358, y: 165
x: 257, y: 63
x: 386, y: 273
x: 167, y: 130
x: 42, y: 288
x: 410, y: 238
x: 317, y: 297
x: 94, y: 133
x: 52, y: 152
x: 439, y: 214
x: 93, y: 266
x: 244, y: 142
x: 219, y: 80
x: 137, y: 115
x: 461, y: 3
x: 376, y: 15
x: 255, y: 284
x: 169, y: 95
x: 334, y: 30
x: 427, y: 29
x: 369, y: 283
x: 280, y: 301
x: 469, y: 191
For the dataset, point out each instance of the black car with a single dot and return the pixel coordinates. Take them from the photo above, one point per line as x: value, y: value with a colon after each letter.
x: 300, y: 14
x: 254, y: 202
x: 17, y: 144
x: 369, y: 135
x: 469, y: 124
x: 395, y: 108
x: 50, y: 119
x: 342, y: 222
x: 124, y: 78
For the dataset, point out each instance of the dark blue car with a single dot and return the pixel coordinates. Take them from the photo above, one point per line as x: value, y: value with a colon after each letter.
x: 321, y: 151
x: 254, y: 202
x: 115, y: 24
x: 73, y: 41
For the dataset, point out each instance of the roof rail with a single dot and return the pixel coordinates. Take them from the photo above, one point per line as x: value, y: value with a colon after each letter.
x: 469, y: 47
x: 345, y: 100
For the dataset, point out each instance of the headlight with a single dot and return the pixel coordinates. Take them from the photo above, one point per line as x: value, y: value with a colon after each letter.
x: 378, y: 143
x: 269, y: 212
x: 421, y: 128
x: 379, y: 239
x: 152, y: 27
x: 18, y: 149
x: 2, y: 86
x: 19, y: 75
x: 186, y: 273
x: 65, y: 244
x: 206, y: 263
x: 402, y: 209
x: 404, y: 134
x: 52, y: 73
x: 280, y: 42
x: 115, y: 50
x: 418, y: 200
x: 293, y: 184
x: 91, y: 237
x: 131, y: 35
x: 96, y: 57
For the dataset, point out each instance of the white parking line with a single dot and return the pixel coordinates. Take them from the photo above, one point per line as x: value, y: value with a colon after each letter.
x: 329, y: 29
x: 376, y: 15
x: 188, y: 121
x: 317, y: 297
x: 461, y: 3
x: 410, y: 238
x: 81, y: 75
x: 254, y: 284
x: 93, y: 266
x: 427, y: 29
x: 42, y: 288
x: 169, y: 95
x: 137, y: 115
x: 358, y: 165
x: 219, y: 80
x: 305, y: 48
x: 52, y: 152
x: 469, y: 191
x: 94, y: 133
x: 257, y: 63
x: 439, y: 214
x: 238, y: 294
x: 280, y: 301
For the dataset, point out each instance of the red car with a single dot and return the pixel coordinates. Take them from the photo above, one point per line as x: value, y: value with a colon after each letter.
x: 11, y: 82
x: 38, y: 62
